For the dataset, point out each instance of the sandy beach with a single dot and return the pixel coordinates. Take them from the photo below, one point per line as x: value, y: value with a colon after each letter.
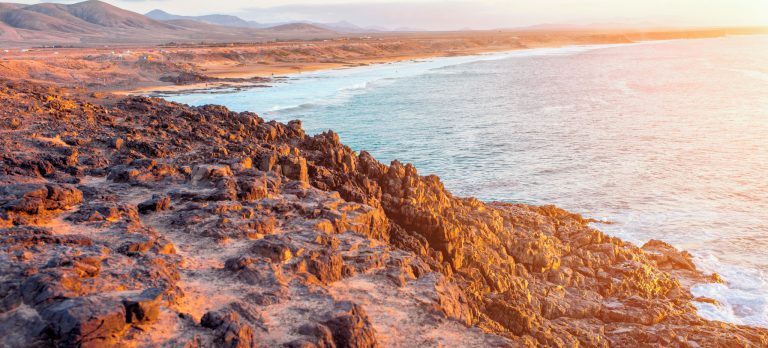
x: 147, y: 69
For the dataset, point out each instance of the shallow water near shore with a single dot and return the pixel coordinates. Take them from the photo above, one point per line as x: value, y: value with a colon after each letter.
x: 669, y: 140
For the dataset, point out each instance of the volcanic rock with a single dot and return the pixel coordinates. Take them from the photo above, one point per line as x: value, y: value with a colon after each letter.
x: 277, y: 238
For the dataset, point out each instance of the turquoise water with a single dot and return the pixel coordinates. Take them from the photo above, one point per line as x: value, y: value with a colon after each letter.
x: 669, y: 140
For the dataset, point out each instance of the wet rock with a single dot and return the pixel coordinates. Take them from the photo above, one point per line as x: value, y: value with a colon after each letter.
x: 667, y: 256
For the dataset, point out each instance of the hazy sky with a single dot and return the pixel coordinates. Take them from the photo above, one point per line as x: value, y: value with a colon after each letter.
x: 478, y: 14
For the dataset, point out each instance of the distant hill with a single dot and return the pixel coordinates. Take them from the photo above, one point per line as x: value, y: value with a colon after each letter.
x: 95, y: 22
x: 85, y: 17
x: 346, y: 27
x: 234, y: 21
x: 217, y: 19
x: 297, y: 27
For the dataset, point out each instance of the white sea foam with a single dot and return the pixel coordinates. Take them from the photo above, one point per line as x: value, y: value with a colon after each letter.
x: 335, y: 87
x: 742, y: 298
x: 735, y: 305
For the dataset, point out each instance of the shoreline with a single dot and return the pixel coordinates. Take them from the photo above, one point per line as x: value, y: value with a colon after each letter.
x: 140, y: 69
x: 291, y: 72
x: 288, y: 72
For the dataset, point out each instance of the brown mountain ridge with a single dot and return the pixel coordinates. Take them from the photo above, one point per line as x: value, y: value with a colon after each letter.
x: 95, y: 22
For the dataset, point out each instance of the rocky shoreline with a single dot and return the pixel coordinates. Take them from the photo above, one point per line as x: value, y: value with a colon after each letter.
x: 139, y: 222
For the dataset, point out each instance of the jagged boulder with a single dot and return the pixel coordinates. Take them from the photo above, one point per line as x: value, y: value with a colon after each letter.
x: 105, y: 213
x: 144, y: 307
x: 155, y: 204
x: 230, y: 332
x: 667, y: 257
x: 351, y: 327
x: 318, y: 335
x: 85, y: 321
x: 22, y: 202
x: 327, y: 267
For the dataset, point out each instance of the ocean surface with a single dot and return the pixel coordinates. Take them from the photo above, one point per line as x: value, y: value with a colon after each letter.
x: 669, y: 139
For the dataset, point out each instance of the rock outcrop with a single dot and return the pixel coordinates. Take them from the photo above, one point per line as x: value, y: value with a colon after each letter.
x: 143, y: 222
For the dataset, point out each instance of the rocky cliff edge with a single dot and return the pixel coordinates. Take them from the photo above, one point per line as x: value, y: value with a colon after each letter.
x: 139, y: 222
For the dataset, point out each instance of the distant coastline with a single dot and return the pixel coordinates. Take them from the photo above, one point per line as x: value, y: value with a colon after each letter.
x: 225, y: 72
x: 145, y: 69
